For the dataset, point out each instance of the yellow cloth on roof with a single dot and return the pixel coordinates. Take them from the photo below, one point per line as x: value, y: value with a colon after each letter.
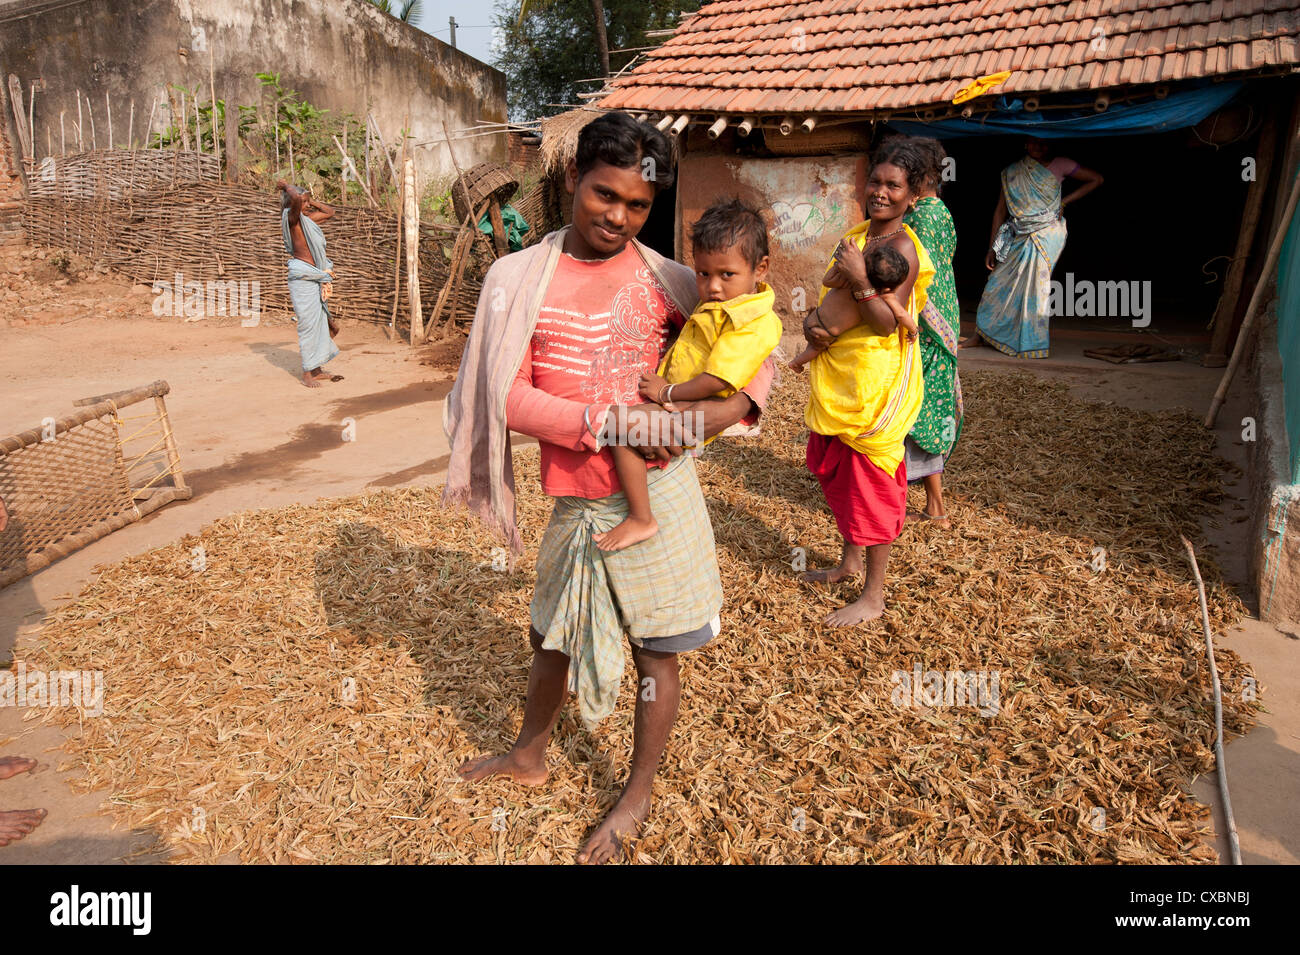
x: 866, y: 389
x: 980, y: 86
x: 729, y: 340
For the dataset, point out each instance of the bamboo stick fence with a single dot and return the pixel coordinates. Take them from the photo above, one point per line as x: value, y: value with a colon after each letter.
x: 155, y: 213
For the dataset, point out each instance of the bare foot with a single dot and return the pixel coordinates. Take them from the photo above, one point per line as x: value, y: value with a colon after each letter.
x: 970, y: 341
x: 16, y: 823
x: 624, y: 821
x: 831, y: 576
x: 631, y: 531
x: 310, y: 380
x: 860, y: 611
x: 507, y: 764
x: 939, y: 520
x: 321, y: 375
x: 13, y: 765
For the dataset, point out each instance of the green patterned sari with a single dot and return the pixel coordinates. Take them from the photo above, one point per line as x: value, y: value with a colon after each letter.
x: 937, y: 428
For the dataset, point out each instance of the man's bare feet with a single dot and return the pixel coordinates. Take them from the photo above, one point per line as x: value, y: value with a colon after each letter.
x: 320, y: 374
x: 16, y: 823
x: 860, y: 611
x: 13, y: 765
x: 310, y: 380
x: 971, y: 341
x: 631, y: 531
x: 507, y: 764
x: 832, y: 575
x: 623, y: 822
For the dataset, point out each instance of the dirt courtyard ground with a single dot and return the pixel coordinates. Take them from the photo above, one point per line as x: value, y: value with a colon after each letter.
x: 252, y: 437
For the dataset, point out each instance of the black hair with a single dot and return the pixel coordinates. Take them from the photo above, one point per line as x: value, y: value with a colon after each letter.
x: 886, y: 268
x: 617, y: 139
x: 934, y: 154
x: 731, y: 222
x: 903, y: 152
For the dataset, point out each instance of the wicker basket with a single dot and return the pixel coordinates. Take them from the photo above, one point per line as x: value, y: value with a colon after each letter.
x: 485, y: 179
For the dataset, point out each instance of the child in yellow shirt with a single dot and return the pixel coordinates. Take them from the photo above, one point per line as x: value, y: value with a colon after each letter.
x: 720, y: 348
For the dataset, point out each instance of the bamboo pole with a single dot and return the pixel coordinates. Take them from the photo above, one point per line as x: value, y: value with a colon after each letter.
x: 459, y: 259
x: 1265, y: 146
x: 185, y: 124
x: 130, y: 128
x: 63, y: 150
x: 1270, y: 262
x: 90, y: 113
x: 31, y: 120
x: 149, y: 129
x: 212, y: 89
x: 169, y: 439
x: 397, y: 264
x: 80, y: 146
x: 232, y: 141
x: 348, y: 164
x: 413, y: 250
x: 343, y: 167
x: 108, y: 109
x: 384, y: 145
x: 293, y: 176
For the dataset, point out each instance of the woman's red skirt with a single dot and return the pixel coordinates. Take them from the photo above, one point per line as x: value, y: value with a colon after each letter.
x: 869, y: 506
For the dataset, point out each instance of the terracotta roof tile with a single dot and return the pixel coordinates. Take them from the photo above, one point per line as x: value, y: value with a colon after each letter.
x: 860, y: 55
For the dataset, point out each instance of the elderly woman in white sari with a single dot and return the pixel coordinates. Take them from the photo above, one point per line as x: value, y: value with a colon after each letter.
x: 311, y: 278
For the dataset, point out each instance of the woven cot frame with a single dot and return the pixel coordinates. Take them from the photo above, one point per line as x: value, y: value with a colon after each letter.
x: 71, y: 481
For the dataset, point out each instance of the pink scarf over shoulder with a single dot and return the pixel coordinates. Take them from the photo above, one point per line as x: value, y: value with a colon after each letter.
x: 480, y: 470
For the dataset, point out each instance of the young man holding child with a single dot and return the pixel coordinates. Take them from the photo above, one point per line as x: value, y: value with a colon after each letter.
x: 564, y: 332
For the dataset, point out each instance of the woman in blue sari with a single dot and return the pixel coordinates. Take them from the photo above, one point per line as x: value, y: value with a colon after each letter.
x: 1028, y: 237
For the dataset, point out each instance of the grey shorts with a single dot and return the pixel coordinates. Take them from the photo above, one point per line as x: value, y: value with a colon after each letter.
x: 681, y: 642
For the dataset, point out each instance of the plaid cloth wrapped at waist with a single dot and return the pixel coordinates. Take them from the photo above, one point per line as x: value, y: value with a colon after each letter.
x: 663, y: 586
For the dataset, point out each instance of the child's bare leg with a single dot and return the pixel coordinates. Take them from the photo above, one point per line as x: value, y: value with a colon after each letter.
x: 872, y: 602
x: 805, y: 356
x: 640, y: 522
x: 548, y: 688
x: 656, y: 712
x: 850, y: 566
x: 838, y: 311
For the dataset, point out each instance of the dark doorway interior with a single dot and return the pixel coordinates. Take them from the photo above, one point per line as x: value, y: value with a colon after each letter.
x: 1168, y: 207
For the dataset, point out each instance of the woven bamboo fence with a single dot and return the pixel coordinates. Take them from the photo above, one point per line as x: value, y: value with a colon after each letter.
x: 159, y: 217
x: 74, y: 480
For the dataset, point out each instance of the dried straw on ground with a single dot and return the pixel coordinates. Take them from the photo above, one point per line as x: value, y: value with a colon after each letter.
x: 229, y: 689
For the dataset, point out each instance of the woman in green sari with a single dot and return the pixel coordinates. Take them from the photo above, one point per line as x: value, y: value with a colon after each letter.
x: 936, y: 430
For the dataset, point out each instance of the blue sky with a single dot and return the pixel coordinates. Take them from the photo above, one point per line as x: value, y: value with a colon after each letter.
x: 473, y: 23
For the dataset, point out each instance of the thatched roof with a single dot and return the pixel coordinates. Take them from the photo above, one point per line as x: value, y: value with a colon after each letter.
x: 560, y: 137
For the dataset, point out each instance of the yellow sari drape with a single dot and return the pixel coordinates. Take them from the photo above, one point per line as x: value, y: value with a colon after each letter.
x: 867, y: 389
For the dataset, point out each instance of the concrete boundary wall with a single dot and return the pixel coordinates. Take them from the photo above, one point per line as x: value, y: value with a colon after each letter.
x: 343, y: 55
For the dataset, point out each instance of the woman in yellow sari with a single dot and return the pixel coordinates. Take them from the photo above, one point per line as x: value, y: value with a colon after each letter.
x: 867, y: 386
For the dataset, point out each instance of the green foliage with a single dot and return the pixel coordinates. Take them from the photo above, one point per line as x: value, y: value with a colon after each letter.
x: 267, y: 130
x: 408, y: 11
x: 554, y: 46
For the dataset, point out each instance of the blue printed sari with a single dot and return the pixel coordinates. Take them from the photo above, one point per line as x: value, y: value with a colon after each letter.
x: 1014, y: 311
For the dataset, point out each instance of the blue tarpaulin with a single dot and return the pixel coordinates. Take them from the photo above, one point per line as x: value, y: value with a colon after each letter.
x: 1175, y: 111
